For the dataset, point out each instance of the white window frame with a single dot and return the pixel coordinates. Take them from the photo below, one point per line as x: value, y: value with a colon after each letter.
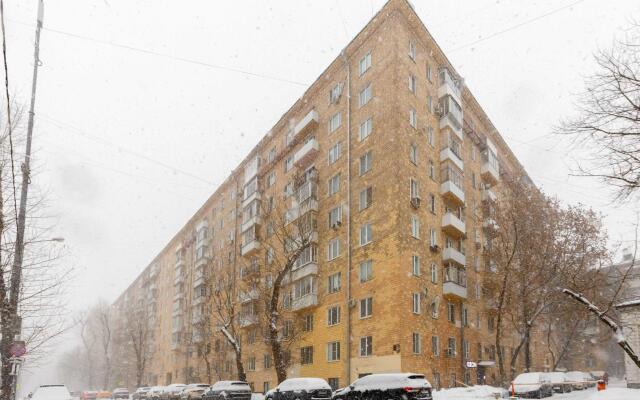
x: 366, y: 234
x: 413, y: 118
x: 333, y: 249
x: 416, y: 307
x: 335, y: 152
x: 366, y: 307
x: 367, y: 267
x: 364, y: 64
x: 334, y: 184
x: 415, y: 227
x: 415, y: 265
x: 367, y: 350
x: 334, y: 122
x: 366, y: 127
x: 333, y: 351
x: 333, y: 315
x: 365, y: 96
x: 434, y: 273
x: 416, y: 343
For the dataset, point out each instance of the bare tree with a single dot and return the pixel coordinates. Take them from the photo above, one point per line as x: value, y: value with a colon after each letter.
x: 608, y: 122
x: 139, y: 335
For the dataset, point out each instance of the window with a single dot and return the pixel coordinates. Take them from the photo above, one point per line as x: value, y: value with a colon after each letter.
x: 288, y: 190
x: 335, y: 152
x: 366, y: 271
x: 366, y: 236
x: 413, y: 118
x: 265, y: 387
x: 414, y: 188
x: 365, y: 162
x: 307, y: 325
x: 478, y: 291
x: 433, y: 237
x: 366, y: 198
x: 465, y: 349
x: 413, y: 84
x: 432, y: 203
x: 334, y: 383
x: 333, y: 315
x: 430, y: 104
x: 417, y: 343
x: 451, y: 312
x: 415, y: 265
x: 417, y: 297
x: 364, y: 96
x: 333, y: 249
x: 490, y: 323
x: 288, y: 164
x: 271, y: 178
x: 266, y: 361
x: 366, y: 346
x: 251, y: 336
x: 333, y: 351
x: 334, y: 93
x: 432, y: 170
x: 430, y: 137
x: 306, y: 355
x: 270, y: 157
x: 334, y: 283
x: 334, y: 122
x: 366, y: 128
x: 429, y: 73
x: 366, y: 307
x: 412, y: 50
x: 435, y: 304
x: 334, y: 185
x: 413, y: 153
x: 435, y: 345
x: 365, y: 63
x: 451, y: 347
x: 415, y: 227
x: 434, y: 273
x: 335, y: 216
x: 251, y: 363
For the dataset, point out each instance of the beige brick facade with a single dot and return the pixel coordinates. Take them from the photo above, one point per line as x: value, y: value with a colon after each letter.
x: 427, y: 261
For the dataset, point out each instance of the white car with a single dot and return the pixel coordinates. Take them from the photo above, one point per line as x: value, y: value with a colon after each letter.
x: 399, y: 385
x: 155, y: 392
x: 300, y: 389
x: 577, y: 380
x: 172, y: 392
x: 532, y: 385
x: 559, y: 381
x: 51, y: 392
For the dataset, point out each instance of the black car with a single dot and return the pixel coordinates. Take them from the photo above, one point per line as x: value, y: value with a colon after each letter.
x: 406, y: 386
x: 140, y: 393
x: 228, y: 390
x: 120, y: 393
x: 300, y: 389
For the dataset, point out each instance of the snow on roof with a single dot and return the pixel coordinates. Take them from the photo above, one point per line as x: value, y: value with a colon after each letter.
x: 304, y: 383
x: 629, y: 303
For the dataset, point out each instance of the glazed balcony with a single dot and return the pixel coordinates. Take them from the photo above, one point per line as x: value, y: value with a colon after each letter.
x: 449, y: 86
x: 304, y: 302
x: 452, y: 191
x: 250, y: 247
x: 307, y: 153
x: 307, y: 123
x: 247, y: 320
x: 251, y: 222
x: 453, y: 225
x: 248, y: 296
x: 454, y: 285
x: 450, y: 153
x: 489, y: 195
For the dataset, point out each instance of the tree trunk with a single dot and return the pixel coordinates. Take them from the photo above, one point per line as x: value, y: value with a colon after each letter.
x: 242, y: 376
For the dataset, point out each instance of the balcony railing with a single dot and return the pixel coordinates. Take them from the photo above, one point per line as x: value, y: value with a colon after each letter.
x: 307, y: 153
x: 454, y: 255
x: 453, y: 225
x: 455, y: 282
x: 304, y: 302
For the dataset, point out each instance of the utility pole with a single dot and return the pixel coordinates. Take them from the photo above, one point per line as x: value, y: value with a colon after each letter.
x: 16, y: 269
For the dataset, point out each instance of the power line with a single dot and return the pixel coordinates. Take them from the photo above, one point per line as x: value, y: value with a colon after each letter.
x: 516, y: 26
x: 9, y: 123
x: 165, y: 55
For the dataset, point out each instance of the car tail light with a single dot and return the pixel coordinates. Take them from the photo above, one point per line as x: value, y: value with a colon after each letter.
x: 411, y: 389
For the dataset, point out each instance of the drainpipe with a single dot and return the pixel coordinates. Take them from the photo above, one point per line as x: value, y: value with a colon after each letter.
x: 462, y: 359
x: 348, y: 275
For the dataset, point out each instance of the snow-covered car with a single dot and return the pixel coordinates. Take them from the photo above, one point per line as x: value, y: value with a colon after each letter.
x: 577, y: 380
x: 406, y: 386
x: 559, y: 381
x: 589, y: 380
x: 193, y: 391
x: 532, y: 385
x: 155, y: 392
x: 172, y: 392
x: 120, y: 393
x: 140, y: 393
x: 300, y: 389
x: 51, y: 392
x: 88, y: 395
x: 228, y: 390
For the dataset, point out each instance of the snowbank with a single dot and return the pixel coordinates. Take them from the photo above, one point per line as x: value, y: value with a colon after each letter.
x: 470, y: 393
x: 616, y: 394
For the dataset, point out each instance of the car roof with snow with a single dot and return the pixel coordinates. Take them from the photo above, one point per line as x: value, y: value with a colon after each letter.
x: 303, y: 383
x: 389, y: 381
x: 230, y: 385
x: 51, y: 392
x: 556, y: 376
x: 528, y: 377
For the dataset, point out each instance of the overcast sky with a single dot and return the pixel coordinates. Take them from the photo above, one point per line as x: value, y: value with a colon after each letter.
x: 137, y: 123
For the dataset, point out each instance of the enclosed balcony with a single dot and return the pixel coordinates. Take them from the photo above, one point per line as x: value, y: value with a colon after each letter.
x: 304, y: 302
x: 250, y: 192
x: 490, y: 169
x: 250, y: 247
x: 451, y: 254
x: 307, y: 123
x: 451, y: 186
x: 249, y: 271
x: 451, y: 116
x: 452, y: 153
x: 489, y: 223
x: 454, y: 285
x: 248, y: 296
x: 306, y: 154
x: 245, y: 320
x: 449, y: 86
x: 489, y: 195
x: 179, y: 277
x: 453, y: 225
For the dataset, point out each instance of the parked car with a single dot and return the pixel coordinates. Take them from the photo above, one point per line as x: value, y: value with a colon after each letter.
x: 228, y: 390
x: 559, y: 381
x: 75, y: 395
x: 155, y: 392
x: 590, y: 381
x: 532, y: 385
x: 300, y: 389
x: 51, y: 392
x: 193, y: 391
x: 88, y: 395
x: 406, y: 386
x: 120, y: 393
x: 140, y: 393
x: 577, y: 380
x: 172, y: 392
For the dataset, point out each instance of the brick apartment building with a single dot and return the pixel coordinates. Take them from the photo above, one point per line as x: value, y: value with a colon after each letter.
x: 398, y: 158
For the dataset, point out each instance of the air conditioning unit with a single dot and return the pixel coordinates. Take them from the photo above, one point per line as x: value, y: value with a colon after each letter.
x: 415, y: 202
x: 352, y: 303
x: 336, y: 225
x: 434, y: 248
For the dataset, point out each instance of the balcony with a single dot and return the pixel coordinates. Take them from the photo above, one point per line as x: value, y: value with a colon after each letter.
x: 247, y: 320
x: 304, y: 302
x: 198, y: 300
x: 449, y: 86
x: 179, y: 278
x: 154, y: 271
x: 449, y: 154
x: 454, y: 255
x: 250, y: 247
x: 452, y: 191
x: 255, y: 220
x: 200, y: 279
x: 490, y: 172
x: 247, y: 272
x: 449, y: 121
x: 179, y: 263
x: 248, y: 296
x: 488, y: 195
x: 178, y: 296
x: 310, y: 268
x: 453, y: 225
x: 307, y: 153
x: 308, y: 122
x: 454, y: 286
x: 489, y: 223
x: 255, y: 195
